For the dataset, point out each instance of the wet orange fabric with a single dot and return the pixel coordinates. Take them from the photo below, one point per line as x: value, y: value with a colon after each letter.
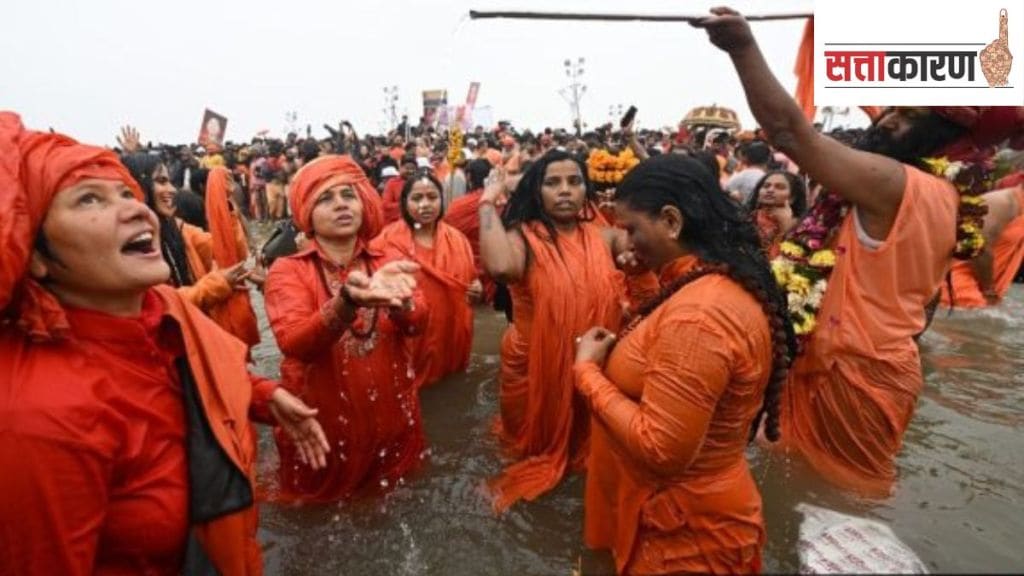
x: 565, y: 291
x: 391, y: 199
x: 464, y: 216
x: 447, y: 270
x: 362, y: 386
x: 850, y: 396
x: 69, y: 396
x: 34, y: 166
x: 230, y: 247
x: 330, y: 170
x: 1008, y: 254
x: 668, y: 486
x: 208, y: 290
x: 804, y: 70
x: 106, y: 490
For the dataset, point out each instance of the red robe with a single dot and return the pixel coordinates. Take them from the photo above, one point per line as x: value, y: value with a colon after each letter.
x: 105, y: 486
x: 363, y: 387
x: 446, y: 272
x: 391, y: 199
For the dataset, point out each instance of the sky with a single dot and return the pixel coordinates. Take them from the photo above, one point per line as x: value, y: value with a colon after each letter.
x: 88, y: 67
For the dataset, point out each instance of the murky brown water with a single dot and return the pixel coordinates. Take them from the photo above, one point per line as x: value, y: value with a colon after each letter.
x: 959, y: 503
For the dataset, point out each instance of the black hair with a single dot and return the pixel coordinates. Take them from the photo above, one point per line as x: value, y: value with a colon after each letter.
x: 172, y: 244
x: 797, y: 192
x: 928, y: 134
x: 757, y: 153
x: 720, y: 234
x: 709, y: 160
x: 476, y: 172
x: 420, y: 175
x: 527, y: 205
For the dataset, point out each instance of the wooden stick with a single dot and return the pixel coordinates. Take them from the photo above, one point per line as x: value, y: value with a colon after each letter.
x: 522, y: 15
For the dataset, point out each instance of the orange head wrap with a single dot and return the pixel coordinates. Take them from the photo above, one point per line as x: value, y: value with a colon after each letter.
x: 328, y: 171
x: 34, y: 166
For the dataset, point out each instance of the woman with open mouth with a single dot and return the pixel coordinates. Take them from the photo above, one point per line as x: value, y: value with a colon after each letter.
x: 126, y: 443
x: 187, y: 249
x: 341, y: 311
x: 447, y: 278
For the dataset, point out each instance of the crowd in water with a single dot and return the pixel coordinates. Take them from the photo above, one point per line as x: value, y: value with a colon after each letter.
x: 672, y: 297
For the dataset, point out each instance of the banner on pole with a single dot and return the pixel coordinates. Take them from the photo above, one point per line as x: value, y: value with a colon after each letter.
x: 433, y: 101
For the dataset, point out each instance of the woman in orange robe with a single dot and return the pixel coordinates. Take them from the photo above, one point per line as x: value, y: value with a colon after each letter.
x: 668, y: 486
x: 230, y: 248
x: 126, y: 443
x: 984, y: 281
x: 187, y: 249
x: 562, y: 277
x: 343, y: 343
x: 447, y: 278
x: 778, y: 202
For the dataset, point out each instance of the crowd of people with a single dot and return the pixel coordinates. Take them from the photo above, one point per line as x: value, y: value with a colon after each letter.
x: 721, y: 288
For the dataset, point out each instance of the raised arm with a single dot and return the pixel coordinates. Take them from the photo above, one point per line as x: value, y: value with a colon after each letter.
x: 872, y: 182
x: 502, y: 252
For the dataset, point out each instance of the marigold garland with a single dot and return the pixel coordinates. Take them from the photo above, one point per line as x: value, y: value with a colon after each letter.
x: 454, y: 145
x: 805, y: 264
x: 606, y: 170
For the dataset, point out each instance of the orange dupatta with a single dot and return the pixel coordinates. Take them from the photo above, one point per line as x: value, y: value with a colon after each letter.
x: 229, y: 248
x: 568, y: 288
x: 446, y: 272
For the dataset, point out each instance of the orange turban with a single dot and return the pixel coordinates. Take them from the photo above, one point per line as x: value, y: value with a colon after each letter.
x: 34, y: 166
x: 328, y: 171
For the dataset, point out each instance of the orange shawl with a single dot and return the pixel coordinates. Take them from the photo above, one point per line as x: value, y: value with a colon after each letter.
x: 229, y: 248
x: 567, y: 289
x: 446, y: 272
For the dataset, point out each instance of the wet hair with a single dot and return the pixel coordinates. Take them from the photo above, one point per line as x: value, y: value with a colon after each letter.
x: 527, y: 205
x: 797, y: 192
x: 476, y: 173
x: 172, y: 244
x: 722, y: 236
x: 420, y: 175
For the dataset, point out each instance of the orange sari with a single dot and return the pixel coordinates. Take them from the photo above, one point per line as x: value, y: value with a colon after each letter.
x: 668, y: 486
x: 229, y: 248
x: 446, y: 272
x: 567, y: 289
x: 464, y: 216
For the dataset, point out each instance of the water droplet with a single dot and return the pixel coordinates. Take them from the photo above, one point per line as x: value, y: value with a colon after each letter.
x: 384, y: 483
x: 344, y: 372
x: 401, y: 481
x: 372, y: 395
x: 410, y: 373
x: 337, y: 518
x: 342, y: 457
x: 383, y: 453
x: 330, y: 537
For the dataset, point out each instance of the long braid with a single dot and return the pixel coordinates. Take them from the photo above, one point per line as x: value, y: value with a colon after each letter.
x: 727, y: 243
x: 777, y: 323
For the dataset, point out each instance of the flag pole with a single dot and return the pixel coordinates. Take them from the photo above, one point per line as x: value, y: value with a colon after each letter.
x: 608, y: 17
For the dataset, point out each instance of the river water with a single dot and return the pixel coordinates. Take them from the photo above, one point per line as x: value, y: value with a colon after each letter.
x: 959, y: 503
